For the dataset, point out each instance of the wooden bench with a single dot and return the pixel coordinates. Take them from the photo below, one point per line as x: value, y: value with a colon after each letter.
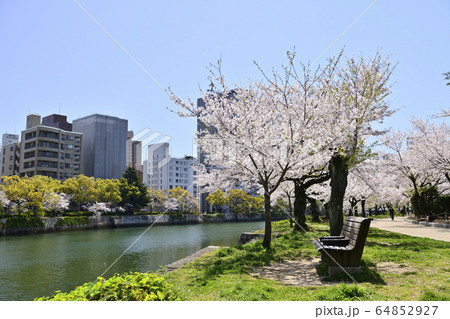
x: 343, y: 253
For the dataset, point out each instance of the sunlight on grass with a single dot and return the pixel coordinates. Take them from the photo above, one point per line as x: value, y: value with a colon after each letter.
x: 394, y: 267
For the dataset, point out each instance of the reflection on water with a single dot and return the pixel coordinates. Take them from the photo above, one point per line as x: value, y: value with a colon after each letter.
x: 37, y: 265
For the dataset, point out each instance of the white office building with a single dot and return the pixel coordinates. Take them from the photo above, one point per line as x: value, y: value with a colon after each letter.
x: 9, y: 154
x: 161, y: 171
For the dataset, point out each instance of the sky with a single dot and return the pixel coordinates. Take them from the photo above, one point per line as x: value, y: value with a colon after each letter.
x: 82, y: 57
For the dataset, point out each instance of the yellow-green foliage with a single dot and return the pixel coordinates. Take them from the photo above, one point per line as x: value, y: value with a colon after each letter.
x: 82, y: 188
x: 217, y: 199
x: 29, y: 193
x: 133, y: 286
x: 241, y: 203
x: 157, y: 199
x: 186, y: 202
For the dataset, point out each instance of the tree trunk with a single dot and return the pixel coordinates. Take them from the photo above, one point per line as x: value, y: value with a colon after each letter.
x: 363, y: 209
x: 314, y: 210
x: 338, y: 172
x: 291, y: 220
x: 300, y: 207
x: 268, y: 226
x: 327, y: 209
x: 377, y: 212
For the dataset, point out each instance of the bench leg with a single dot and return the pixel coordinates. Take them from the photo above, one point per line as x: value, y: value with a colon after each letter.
x: 332, y: 271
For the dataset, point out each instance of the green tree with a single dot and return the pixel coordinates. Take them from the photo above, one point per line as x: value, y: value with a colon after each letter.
x: 186, y: 202
x: 108, y: 191
x: 28, y: 193
x: 238, y: 202
x: 157, y: 199
x: 82, y: 189
x: 133, y: 192
x: 256, y: 204
x: 217, y: 199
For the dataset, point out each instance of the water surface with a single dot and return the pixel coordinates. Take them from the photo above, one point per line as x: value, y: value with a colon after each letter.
x: 37, y: 265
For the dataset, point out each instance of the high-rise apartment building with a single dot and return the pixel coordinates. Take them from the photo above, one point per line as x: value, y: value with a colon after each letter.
x: 161, y: 171
x: 49, y: 151
x: 9, y: 155
x: 104, y: 145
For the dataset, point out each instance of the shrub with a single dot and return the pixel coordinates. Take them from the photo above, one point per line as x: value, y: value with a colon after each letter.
x: 23, y: 222
x: 77, y: 214
x: 127, y: 287
x: 72, y: 221
x: 442, y: 205
x: 423, y: 200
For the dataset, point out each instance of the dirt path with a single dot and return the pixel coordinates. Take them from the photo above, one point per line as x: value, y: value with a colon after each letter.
x: 399, y: 225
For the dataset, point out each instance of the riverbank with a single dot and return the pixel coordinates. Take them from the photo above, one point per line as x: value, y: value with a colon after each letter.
x: 57, y: 224
x: 394, y: 267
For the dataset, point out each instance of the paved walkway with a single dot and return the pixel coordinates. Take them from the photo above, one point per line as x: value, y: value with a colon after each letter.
x: 399, y: 225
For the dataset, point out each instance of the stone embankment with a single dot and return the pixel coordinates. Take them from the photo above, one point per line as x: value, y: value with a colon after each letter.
x: 129, y: 221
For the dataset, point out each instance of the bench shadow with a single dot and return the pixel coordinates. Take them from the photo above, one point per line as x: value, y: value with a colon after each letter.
x: 369, y: 274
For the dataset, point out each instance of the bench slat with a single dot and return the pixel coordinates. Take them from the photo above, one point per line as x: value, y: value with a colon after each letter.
x: 345, y: 250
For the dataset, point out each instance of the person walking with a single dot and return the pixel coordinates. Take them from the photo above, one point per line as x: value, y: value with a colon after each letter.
x: 391, y: 213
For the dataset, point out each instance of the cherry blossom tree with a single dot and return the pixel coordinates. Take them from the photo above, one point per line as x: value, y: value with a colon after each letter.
x: 430, y: 147
x: 359, y: 94
x: 261, y: 132
x: 422, y: 156
x: 4, y: 201
x: 288, y: 126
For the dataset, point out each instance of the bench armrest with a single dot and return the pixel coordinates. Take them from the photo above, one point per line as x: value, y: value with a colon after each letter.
x: 335, y: 241
x: 331, y: 237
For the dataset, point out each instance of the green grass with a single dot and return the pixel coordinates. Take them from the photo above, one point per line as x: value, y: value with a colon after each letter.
x: 225, y: 273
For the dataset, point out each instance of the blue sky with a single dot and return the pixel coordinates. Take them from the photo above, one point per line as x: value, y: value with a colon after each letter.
x: 53, y: 57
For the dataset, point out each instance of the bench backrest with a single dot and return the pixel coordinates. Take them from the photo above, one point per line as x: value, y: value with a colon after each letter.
x: 356, y: 229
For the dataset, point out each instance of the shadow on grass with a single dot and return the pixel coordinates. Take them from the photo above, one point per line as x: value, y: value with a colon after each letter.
x: 368, y: 274
x: 235, y: 259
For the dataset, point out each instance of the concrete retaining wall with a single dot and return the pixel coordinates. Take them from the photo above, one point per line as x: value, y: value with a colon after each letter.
x: 428, y: 224
x: 129, y: 221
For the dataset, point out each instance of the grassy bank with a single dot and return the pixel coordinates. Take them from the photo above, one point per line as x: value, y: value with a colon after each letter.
x: 395, y: 267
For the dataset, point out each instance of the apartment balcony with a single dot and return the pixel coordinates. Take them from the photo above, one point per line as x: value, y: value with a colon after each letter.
x: 30, y: 145
x: 47, y: 146
x: 28, y: 165
x: 48, y: 135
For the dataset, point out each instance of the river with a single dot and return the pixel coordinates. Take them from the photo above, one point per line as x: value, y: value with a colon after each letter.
x: 37, y: 265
